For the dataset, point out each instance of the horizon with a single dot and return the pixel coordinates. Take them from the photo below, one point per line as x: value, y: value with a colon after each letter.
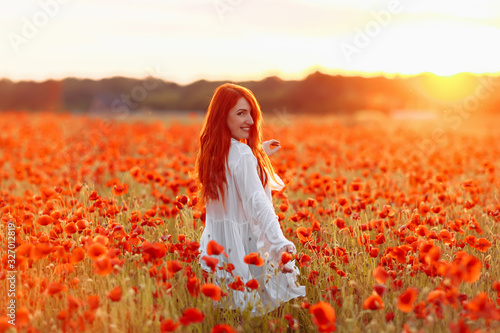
x: 219, y: 40
x: 360, y: 75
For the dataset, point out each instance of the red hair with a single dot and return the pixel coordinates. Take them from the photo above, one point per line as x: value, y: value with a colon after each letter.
x: 215, y: 141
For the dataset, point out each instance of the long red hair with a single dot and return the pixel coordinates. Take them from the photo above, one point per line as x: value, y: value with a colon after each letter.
x: 215, y: 141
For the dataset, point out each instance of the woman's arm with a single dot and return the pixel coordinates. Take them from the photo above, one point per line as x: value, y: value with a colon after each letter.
x: 264, y: 222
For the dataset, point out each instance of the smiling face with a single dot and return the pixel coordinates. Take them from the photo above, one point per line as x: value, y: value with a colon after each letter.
x: 239, y: 119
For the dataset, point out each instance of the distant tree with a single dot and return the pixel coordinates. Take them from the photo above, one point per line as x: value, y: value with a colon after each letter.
x: 318, y: 93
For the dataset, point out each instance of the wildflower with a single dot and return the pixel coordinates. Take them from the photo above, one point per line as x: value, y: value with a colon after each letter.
x: 168, y: 325
x: 212, y: 291
x: 406, y: 300
x: 254, y: 259
x: 380, y: 274
x: 191, y: 316
x: 323, y: 316
x: 373, y: 302
x: 115, y: 294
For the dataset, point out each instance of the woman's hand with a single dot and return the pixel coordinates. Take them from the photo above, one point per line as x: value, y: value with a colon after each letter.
x: 271, y: 143
x: 290, y: 249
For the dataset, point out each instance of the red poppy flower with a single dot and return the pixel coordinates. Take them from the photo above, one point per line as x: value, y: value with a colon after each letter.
x: 379, y: 239
x: 286, y: 257
x: 55, y: 288
x: 304, y: 234
x: 70, y: 228
x: 339, y: 223
x: 373, y: 302
x: 429, y: 253
x: 422, y: 231
x: 73, y: 303
x: 153, y: 251
x: 211, y: 262
x: 193, y: 286
x: 93, y: 301
x: 45, y: 220
x: 482, y: 245
x: 420, y: 310
x: 406, y: 300
x: 481, y: 306
x: 222, y: 328
x: 380, y: 274
x: 496, y: 287
x: 119, y: 189
x: 93, y: 196
x: 292, y: 322
x: 168, y: 325
x: 471, y: 240
x: 283, y: 207
x: 77, y: 255
x: 173, y: 266
x: 460, y: 327
x: 212, y: 291
x: 355, y: 187
x: 254, y: 259
x: 253, y: 284
x: 470, y: 267
x: 96, y: 250
x: 310, y: 202
x: 446, y: 236
x: 103, y: 266
x: 191, y: 316
x: 323, y: 316
x: 62, y: 315
x: 41, y: 250
x: 237, y: 284
x: 380, y: 289
x: 304, y: 260
x: 213, y: 248
x: 22, y: 317
x: 115, y: 294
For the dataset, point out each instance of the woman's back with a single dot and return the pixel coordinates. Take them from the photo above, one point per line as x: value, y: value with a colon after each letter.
x: 249, y: 224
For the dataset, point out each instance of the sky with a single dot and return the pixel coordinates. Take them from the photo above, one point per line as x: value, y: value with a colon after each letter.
x: 188, y: 40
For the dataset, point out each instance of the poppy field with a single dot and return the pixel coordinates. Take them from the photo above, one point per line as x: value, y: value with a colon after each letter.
x: 396, y: 226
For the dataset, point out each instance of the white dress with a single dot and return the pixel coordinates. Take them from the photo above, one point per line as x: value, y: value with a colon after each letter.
x: 250, y: 224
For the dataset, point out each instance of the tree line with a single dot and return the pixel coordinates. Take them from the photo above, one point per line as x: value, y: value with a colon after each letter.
x: 317, y: 93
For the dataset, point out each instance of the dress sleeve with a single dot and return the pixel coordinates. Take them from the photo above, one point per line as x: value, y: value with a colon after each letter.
x: 264, y: 222
x: 272, y: 184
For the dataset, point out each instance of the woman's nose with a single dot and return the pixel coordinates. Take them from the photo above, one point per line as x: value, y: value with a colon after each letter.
x: 249, y: 120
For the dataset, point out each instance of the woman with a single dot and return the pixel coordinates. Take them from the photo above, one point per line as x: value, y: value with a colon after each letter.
x: 236, y: 181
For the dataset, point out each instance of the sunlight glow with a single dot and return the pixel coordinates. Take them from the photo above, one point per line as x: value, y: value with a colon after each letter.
x: 190, y: 40
x: 448, y: 88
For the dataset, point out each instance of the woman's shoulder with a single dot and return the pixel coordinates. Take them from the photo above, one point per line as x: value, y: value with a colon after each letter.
x: 237, y: 151
x: 239, y: 148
